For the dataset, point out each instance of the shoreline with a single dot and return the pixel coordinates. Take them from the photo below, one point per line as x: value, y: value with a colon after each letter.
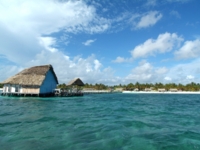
x: 156, y: 92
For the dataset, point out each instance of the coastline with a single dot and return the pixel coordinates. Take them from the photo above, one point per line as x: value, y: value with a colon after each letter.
x: 156, y: 92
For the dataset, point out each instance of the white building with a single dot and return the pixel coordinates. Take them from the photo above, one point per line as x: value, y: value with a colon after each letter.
x: 35, y: 80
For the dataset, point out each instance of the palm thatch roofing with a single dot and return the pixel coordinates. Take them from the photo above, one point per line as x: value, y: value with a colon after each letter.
x: 76, y: 81
x: 33, y: 76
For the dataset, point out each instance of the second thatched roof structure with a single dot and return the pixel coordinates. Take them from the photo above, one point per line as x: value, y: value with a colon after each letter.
x: 76, y: 81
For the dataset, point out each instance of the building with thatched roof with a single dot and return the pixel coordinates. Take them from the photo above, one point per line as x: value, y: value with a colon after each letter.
x: 75, y: 86
x: 35, y: 80
x: 161, y: 90
x: 76, y: 82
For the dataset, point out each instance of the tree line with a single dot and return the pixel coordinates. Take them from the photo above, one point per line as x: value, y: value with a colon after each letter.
x: 141, y: 86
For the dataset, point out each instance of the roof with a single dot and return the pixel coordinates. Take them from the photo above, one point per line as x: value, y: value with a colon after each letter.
x: 76, y: 81
x: 31, y: 76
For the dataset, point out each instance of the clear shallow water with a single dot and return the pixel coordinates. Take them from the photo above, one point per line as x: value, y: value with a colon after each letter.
x: 101, y: 122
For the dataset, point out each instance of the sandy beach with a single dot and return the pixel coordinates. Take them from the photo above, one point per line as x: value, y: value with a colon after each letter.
x: 156, y: 92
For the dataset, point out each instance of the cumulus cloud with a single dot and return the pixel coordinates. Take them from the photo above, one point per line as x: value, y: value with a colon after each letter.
x: 190, y: 77
x: 121, y: 60
x: 24, y: 24
x: 168, y: 78
x: 88, y: 42
x: 148, y: 19
x: 27, y: 28
x: 88, y: 69
x: 48, y: 43
x: 72, y: 16
x: 145, y: 72
x: 190, y: 49
x: 185, y: 73
x: 164, y: 43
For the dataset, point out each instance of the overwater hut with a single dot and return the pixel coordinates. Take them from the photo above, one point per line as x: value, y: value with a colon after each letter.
x: 34, y: 81
x: 75, y: 85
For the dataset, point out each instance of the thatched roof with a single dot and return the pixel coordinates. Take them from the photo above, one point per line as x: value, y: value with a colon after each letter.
x: 76, y: 81
x: 31, y: 76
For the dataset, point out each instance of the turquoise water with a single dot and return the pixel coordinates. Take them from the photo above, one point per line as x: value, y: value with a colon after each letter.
x: 101, y: 122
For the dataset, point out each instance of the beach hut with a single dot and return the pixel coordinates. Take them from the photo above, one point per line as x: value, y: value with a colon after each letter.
x: 147, y: 89
x: 76, y: 82
x: 161, y: 90
x: 75, y: 85
x: 37, y: 80
x: 173, y: 90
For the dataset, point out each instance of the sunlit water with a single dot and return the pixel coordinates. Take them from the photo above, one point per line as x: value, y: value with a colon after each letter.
x: 101, y: 122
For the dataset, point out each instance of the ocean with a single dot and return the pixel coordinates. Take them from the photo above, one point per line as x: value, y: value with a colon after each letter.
x: 101, y: 122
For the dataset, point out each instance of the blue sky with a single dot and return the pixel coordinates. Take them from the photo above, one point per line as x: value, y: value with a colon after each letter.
x: 103, y: 41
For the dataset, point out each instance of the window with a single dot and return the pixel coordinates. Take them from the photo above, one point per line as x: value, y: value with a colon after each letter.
x: 16, y: 88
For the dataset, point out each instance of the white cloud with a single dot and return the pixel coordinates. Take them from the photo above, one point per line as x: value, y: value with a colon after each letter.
x: 88, y: 42
x: 190, y: 49
x: 119, y: 60
x: 175, y: 13
x: 72, y: 16
x: 181, y: 1
x: 190, y: 77
x: 151, y: 2
x: 184, y: 73
x: 164, y: 43
x: 88, y: 69
x: 168, y: 78
x: 8, y: 70
x: 122, y: 59
x: 146, y: 73
x: 24, y: 22
x: 97, y: 64
x: 48, y: 43
x: 148, y: 19
x: 27, y: 28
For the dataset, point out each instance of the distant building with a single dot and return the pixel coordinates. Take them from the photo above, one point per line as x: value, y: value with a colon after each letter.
x: 147, y: 89
x: 136, y: 89
x: 161, y: 90
x: 76, y: 82
x: 37, y: 80
x: 75, y: 85
x: 118, y: 89
x: 173, y: 90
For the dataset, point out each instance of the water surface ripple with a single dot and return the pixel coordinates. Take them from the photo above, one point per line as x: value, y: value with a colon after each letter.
x: 101, y: 122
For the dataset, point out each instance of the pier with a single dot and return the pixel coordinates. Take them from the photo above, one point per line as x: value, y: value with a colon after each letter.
x: 62, y: 94
x: 96, y: 91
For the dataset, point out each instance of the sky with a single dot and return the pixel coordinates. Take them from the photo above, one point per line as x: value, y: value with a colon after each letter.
x: 103, y: 41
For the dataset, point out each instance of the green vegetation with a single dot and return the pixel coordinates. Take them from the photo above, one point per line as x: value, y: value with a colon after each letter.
x: 1, y: 85
x: 141, y: 86
x: 96, y: 86
x: 62, y: 86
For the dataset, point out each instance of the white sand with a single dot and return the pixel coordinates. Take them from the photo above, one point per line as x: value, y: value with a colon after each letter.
x: 156, y: 92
